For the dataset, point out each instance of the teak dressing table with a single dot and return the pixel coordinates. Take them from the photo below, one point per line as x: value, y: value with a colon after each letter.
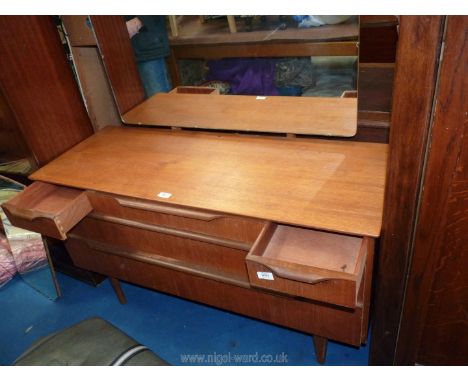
x: 279, y: 229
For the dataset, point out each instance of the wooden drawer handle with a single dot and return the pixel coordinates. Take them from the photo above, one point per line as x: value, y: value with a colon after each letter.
x: 298, y: 275
x: 25, y: 214
x: 174, y: 232
x: 170, y: 210
x: 162, y: 261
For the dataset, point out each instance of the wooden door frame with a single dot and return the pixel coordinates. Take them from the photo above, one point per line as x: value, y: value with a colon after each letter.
x: 38, y: 85
x: 417, y: 66
x: 441, y: 229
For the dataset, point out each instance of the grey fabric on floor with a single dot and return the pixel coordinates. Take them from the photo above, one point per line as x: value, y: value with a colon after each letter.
x: 92, y: 342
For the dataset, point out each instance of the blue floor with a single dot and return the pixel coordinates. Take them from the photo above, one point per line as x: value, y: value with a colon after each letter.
x: 180, y: 331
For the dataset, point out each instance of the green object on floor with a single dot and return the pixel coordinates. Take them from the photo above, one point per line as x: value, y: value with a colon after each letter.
x: 92, y: 342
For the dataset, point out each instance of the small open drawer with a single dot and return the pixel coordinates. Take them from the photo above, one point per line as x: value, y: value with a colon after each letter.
x: 48, y: 209
x: 312, y: 264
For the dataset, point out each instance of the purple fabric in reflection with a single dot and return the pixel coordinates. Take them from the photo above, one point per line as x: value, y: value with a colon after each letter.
x: 252, y: 76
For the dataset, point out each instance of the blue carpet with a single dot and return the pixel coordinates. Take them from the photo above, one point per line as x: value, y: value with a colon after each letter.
x: 180, y: 331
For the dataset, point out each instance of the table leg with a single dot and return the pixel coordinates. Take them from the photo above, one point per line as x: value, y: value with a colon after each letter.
x: 320, y: 345
x: 118, y: 290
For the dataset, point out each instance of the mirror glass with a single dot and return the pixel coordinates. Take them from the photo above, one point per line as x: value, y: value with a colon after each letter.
x: 310, y: 61
x: 306, y: 56
x: 23, y: 252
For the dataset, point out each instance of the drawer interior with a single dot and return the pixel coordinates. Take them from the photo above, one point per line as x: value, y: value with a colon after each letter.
x: 308, y: 263
x: 48, y: 209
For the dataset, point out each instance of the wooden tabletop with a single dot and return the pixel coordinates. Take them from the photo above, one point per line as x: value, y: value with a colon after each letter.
x: 330, y: 185
x: 277, y: 114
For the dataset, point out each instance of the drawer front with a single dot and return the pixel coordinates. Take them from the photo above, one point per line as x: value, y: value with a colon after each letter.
x: 229, y: 227
x: 212, y: 257
x: 337, y: 292
x: 342, y: 325
x: 306, y: 263
x: 48, y: 209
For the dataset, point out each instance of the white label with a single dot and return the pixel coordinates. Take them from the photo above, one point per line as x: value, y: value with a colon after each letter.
x: 165, y: 195
x: 261, y: 97
x: 265, y: 275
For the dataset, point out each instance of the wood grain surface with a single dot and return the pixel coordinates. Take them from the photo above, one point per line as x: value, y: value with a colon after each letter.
x: 312, y: 248
x: 413, y: 93
x: 79, y: 30
x: 343, y: 324
x: 191, y: 31
x: 47, y: 209
x: 215, y: 224
x: 378, y: 38
x: 294, y: 261
x: 12, y: 143
x: 212, y: 257
x: 330, y: 185
x: 38, y: 84
x: 299, y: 115
x: 95, y: 87
x: 434, y: 327
x: 119, y: 61
x: 278, y: 49
x: 375, y: 87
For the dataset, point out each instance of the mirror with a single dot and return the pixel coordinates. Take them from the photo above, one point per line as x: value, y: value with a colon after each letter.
x: 312, y: 60
x: 313, y: 56
x: 24, y: 252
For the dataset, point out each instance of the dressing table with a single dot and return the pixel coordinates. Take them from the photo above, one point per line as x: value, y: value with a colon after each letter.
x: 282, y: 230
x: 415, y: 320
x: 278, y: 228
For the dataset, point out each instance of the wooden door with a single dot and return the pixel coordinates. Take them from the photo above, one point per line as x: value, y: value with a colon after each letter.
x: 38, y: 84
x: 421, y: 296
x: 434, y: 326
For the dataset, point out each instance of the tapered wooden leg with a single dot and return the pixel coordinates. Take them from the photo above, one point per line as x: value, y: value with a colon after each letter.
x: 320, y: 345
x: 118, y: 290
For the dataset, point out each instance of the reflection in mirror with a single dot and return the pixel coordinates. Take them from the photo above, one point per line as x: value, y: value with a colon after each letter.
x: 150, y: 45
x: 308, y: 56
x: 23, y: 252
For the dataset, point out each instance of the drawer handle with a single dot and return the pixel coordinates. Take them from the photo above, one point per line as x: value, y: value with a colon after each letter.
x: 309, y: 277
x: 25, y: 214
x: 162, y: 261
x: 297, y: 275
x: 174, y: 232
x: 170, y: 210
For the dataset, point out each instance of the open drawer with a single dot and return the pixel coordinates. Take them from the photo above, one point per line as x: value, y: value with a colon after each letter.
x: 48, y: 209
x: 312, y: 264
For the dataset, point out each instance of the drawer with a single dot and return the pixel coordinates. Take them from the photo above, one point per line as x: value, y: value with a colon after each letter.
x: 229, y: 227
x: 107, y: 259
x: 339, y: 324
x: 312, y: 264
x: 174, y: 245
x: 48, y: 209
